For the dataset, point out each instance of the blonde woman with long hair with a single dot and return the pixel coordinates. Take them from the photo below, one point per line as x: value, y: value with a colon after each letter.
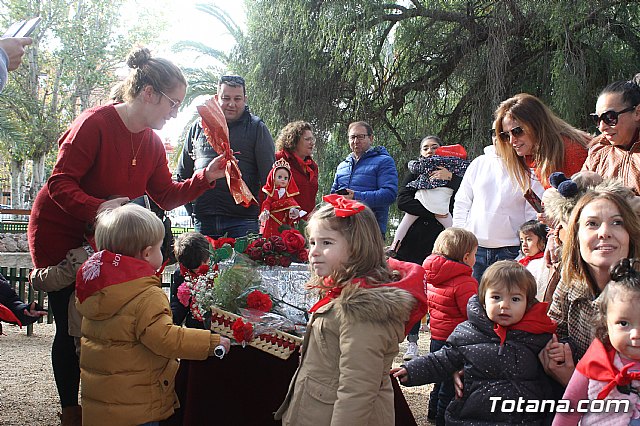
x: 531, y: 137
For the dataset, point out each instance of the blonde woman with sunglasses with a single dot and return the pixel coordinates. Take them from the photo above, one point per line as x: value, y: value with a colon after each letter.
x: 530, y: 137
x: 615, y: 153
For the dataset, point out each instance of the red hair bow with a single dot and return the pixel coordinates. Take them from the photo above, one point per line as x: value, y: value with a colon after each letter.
x: 342, y: 206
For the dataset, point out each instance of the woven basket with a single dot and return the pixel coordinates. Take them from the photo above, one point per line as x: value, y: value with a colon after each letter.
x: 277, y: 343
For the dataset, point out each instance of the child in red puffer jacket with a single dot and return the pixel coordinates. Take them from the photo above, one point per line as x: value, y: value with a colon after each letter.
x: 449, y: 288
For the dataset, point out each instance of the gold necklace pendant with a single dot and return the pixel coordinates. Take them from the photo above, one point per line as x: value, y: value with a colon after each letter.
x: 133, y: 162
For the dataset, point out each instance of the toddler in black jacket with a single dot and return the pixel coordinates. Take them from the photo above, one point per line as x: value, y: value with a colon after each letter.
x: 498, y: 349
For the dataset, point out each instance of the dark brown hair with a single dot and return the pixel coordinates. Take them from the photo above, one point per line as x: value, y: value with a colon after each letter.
x: 511, y: 274
x: 625, y: 278
x: 291, y: 134
x: 191, y: 249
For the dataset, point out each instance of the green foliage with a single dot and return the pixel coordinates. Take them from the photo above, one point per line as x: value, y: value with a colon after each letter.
x: 69, y: 67
x: 233, y: 283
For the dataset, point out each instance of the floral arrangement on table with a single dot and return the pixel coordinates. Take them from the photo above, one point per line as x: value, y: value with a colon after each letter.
x: 233, y: 300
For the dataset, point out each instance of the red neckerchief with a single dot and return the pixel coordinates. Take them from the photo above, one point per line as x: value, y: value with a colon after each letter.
x: 305, y: 165
x: 7, y: 315
x: 413, y: 280
x: 201, y: 270
x: 534, y: 321
x: 335, y: 291
x: 525, y: 260
x: 597, y: 364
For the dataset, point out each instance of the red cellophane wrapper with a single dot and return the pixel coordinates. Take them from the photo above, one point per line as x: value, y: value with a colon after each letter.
x: 215, y: 129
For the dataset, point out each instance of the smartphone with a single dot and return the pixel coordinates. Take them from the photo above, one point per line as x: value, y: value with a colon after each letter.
x: 342, y: 191
x: 22, y: 28
x: 534, y: 200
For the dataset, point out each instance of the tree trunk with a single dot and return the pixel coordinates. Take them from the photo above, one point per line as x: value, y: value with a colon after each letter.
x: 16, y: 172
x: 37, y: 179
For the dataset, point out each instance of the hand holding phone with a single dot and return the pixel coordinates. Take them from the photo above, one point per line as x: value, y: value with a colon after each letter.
x: 534, y: 200
x: 22, y: 28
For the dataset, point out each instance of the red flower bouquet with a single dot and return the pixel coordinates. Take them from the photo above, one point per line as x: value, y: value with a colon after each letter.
x: 278, y: 250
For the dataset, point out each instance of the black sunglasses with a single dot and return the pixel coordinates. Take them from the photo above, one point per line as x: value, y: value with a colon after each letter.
x: 233, y: 79
x: 515, y: 132
x: 610, y: 117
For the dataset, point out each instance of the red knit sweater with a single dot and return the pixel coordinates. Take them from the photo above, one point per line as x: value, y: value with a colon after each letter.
x: 94, y: 163
x: 575, y: 155
x: 307, y: 185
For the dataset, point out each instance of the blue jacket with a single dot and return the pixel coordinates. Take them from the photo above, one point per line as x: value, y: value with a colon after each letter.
x: 373, y: 179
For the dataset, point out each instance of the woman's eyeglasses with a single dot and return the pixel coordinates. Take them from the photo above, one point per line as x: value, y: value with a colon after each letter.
x: 515, y: 132
x: 174, y: 104
x: 610, y: 118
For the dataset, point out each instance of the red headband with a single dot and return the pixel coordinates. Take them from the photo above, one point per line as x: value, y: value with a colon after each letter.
x: 342, y: 206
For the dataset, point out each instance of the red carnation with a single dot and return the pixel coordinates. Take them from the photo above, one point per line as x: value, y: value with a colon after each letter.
x: 285, y: 261
x: 242, y: 332
x: 293, y: 240
x: 303, y: 255
x: 270, y: 260
x: 222, y: 241
x: 267, y: 246
x: 259, y: 301
x: 274, y: 239
x: 254, y: 253
x: 279, y: 245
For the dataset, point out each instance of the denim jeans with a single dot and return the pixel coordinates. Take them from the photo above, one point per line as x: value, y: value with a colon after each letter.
x: 442, y: 393
x: 216, y: 226
x: 151, y: 424
x: 485, y: 257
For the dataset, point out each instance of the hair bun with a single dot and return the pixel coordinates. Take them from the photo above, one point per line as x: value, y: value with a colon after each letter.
x: 138, y: 57
x: 624, y: 269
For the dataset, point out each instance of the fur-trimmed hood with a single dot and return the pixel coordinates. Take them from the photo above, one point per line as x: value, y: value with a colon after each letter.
x: 378, y: 304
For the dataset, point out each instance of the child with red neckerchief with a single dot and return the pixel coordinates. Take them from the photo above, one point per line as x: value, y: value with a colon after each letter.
x: 192, y: 250
x: 610, y: 369
x: 497, y: 347
x: 368, y: 305
x: 533, y: 241
x: 130, y: 346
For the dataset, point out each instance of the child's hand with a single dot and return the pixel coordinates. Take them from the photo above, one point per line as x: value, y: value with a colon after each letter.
x: 458, y: 385
x: 555, y: 350
x: 224, y: 341
x: 560, y: 372
x: 400, y: 373
x: 34, y: 311
x: 264, y: 216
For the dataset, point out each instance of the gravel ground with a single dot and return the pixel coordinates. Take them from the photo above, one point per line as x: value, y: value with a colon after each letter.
x: 28, y: 394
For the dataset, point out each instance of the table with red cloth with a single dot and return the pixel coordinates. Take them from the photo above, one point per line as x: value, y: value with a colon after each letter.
x: 244, y: 388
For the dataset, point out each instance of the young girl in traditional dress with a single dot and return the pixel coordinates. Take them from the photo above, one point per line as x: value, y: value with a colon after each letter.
x: 352, y: 337
x: 610, y: 369
x: 279, y: 207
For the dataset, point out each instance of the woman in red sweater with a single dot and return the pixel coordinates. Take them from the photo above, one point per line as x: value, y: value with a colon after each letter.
x: 295, y: 144
x: 109, y: 155
x: 530, y: 136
